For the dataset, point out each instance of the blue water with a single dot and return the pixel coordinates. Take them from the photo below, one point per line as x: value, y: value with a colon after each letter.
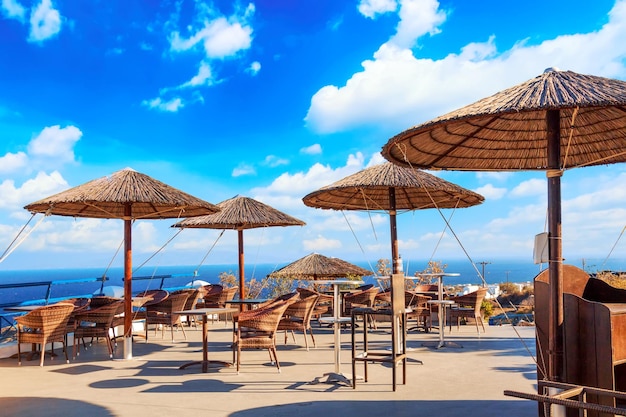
x: 495, y: 271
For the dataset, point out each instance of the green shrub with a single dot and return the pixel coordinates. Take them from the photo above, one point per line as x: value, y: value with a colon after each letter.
x: 486, y: 308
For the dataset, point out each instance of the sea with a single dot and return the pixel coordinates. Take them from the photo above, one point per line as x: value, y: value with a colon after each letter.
x: 16, y: 285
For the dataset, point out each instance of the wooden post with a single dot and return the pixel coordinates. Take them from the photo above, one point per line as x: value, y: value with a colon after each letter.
x: 556, y: 369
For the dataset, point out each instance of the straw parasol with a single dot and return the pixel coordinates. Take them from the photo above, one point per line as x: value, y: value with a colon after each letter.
x: 555, y: 121
x: 390, y: 188
x: 316, y: 266
x: 240, y: 213
x: 128, y: 195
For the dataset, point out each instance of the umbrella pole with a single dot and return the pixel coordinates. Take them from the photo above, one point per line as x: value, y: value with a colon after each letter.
x: 242, y: 288
x: 556, y: 370
x: 394, y: 230
x: 128, y: 277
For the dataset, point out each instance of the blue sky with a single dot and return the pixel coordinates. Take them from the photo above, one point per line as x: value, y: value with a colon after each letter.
x: 273, y: 99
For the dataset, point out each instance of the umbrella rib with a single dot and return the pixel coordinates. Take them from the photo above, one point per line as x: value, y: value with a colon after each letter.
x: 465, y: 139
x: 571, y: 133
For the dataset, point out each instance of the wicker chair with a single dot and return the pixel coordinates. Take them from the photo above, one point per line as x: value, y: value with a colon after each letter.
x: 298, y: 317
x: 468, y: 306
x: 80, y: 305
x: 420, y: 310
x: 43, y: 325
x: 220, y: 299
x: 96, y: 322
x: 324, y: 303
x: 190, y: 304
x: 362, y: 298
x: 291, y: 297
x: 163, y: 313
x: 256, y: 329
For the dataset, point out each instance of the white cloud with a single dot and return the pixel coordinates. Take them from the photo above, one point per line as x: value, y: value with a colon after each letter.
x: 243, y: 169
x: 274, y: 161
x: 31, y: 190
x: 12, y: 162
x: 493, y: 175
x: 45, y: 22
x: 315, y: 149
x: 321, y: 244
x: 203, y: 77
x: 318, y: 175
x: 531, y: 187
x: 55, y: 143
x: 254, y: 68
x: 376, y: 159
x: 490, y: 192
x: 214, y: 37
x: 372, y: 8
x: 13, y: 10
x: 417, y: 18
x: 378, y: 95
x: 219, y: 38
x: 171, y: 106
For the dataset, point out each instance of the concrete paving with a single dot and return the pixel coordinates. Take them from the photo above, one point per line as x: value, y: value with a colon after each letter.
x: 466, y: 381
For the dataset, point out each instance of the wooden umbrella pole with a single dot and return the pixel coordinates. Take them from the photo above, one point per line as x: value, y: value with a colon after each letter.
x: 394, y: 230
x: 556, y: 369
x: 128, y: 277
x: 242, y: 288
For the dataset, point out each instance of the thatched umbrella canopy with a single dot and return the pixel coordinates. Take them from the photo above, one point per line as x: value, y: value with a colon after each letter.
x: 240, y: 213
x: 128, y: 195
x: 390, y: 188
x: 553, y: 122
x: 316, y: 266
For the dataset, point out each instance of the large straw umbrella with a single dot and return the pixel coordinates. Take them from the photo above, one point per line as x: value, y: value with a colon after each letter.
x: 556, y: 121
x: 318, y: 267
x: 240, y: 213
x: 391, y: 188
x: 128, y: 195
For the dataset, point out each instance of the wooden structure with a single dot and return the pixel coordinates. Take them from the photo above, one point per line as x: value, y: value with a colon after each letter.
x: 594, y: 334
x: 397, y: 354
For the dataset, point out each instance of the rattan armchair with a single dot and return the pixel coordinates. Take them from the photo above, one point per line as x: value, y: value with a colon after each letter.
x: 43, y: 325
x: 468, y: 306
x: 163, y: 314
x: 96, y: 322
x: 419, y: 309
x: 360, y: 299
x: 256, y: 329
x: 324, y: 303
x: 297, y: 317
x: 190, y: 304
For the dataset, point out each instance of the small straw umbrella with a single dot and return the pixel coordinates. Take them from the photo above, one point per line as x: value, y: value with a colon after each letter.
x: 555, y: 121
x: 390, y: 188
x: 317, y: 267
x: 128, y: 195
x: 240, y: 213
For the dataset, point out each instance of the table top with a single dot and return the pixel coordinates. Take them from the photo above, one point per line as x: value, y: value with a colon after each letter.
x: 249, y: 301
x: 207, y: 311
x: 446, y: 302
x: 334, y: 320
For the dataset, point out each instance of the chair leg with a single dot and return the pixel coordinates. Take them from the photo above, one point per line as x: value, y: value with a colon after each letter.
x: 312, y: 337
x: 42, y: 353
x: 273, y: 350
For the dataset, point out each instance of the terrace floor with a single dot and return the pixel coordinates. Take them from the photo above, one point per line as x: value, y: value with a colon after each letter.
x: 467, y: 381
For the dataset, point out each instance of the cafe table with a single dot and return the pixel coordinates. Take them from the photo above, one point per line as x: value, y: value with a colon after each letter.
x: 205, y: 312
x: 336, y: 321
x: 441, y: 312
x: 249, y: 302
